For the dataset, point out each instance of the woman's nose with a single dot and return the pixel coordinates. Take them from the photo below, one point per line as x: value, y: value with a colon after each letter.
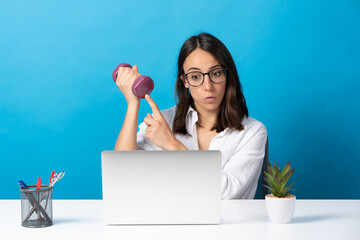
x: 208, y: 85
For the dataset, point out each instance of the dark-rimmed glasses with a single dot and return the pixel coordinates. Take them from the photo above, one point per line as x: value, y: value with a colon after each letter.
x: 195, y: 79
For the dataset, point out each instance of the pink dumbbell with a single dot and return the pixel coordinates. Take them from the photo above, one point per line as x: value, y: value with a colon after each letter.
x: 143, y: 85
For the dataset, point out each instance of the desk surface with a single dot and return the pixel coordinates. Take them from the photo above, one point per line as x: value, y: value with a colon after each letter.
x: 241, y: 219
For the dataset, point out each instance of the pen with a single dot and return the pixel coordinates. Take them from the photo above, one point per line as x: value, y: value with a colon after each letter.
x: 22, y: 184
x: 38, y: 187
x: 38, y: 184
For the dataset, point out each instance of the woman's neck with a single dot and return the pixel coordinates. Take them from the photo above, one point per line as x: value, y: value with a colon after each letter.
x: 207, y: 119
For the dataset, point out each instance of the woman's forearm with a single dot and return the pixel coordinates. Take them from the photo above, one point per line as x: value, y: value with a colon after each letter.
x: 177, y: 145
x: 127, y: 136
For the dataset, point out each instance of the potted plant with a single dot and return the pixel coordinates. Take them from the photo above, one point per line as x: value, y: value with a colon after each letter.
x: 280, y: 203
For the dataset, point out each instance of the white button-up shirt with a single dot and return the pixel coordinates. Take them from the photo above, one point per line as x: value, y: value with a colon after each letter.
x: 242, y: 152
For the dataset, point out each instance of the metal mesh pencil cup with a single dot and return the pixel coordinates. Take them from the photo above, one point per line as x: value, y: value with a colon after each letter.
x: 36, y: 206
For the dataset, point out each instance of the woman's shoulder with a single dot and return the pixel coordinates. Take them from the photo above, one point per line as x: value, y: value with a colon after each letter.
x: 251, y: 124
x: 249, y: 121
x: 253, y: 129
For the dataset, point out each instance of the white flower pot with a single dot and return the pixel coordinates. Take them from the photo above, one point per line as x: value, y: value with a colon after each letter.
x: 280, y: 210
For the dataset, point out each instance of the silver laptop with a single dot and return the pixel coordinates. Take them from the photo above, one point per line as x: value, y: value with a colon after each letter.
x: 161, y: 187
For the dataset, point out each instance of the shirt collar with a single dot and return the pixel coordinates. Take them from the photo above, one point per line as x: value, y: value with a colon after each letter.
x: 190, y: 110
x: 194, y: 117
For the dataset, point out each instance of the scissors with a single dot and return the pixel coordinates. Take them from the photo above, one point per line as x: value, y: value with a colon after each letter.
x: 56, y: 177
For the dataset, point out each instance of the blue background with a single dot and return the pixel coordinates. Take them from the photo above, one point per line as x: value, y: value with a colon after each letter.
x: 59, y: 108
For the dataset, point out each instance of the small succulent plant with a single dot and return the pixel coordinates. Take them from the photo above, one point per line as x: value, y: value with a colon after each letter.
x: 277, y: 180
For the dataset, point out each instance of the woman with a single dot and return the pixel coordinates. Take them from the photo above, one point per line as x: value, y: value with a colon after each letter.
x: 210, y: 113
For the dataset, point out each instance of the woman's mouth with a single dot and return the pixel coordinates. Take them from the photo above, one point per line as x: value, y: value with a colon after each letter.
x: 210, y: 99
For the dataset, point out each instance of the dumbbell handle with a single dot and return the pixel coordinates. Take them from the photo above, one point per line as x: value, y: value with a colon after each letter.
x: 143, y: 85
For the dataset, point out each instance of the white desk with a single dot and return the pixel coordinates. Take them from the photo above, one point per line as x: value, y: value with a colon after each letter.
x: 241, y: 219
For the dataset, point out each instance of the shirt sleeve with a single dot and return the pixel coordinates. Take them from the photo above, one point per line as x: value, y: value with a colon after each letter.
x: 241, y: 173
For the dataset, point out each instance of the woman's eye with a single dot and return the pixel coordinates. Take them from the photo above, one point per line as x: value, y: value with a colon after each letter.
x: 195, y: 77
x: 216, y: 74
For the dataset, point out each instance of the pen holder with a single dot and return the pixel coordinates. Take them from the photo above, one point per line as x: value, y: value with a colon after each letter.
x: 36, y: 206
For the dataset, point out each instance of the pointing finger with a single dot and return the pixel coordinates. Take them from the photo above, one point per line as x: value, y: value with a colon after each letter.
x: 154, y: 107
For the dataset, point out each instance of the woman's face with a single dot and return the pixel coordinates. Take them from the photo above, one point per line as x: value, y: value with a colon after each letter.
x: 208, y: 96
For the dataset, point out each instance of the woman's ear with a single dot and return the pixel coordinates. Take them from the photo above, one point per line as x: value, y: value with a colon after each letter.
x: 184, y: 82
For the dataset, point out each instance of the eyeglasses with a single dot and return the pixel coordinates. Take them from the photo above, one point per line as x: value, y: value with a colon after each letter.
x: 195, y: 79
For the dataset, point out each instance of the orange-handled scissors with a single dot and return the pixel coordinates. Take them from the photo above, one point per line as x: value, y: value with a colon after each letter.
x: 56, y: 177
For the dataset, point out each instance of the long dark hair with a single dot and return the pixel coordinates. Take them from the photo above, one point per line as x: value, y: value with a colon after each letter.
x: 233, y: 106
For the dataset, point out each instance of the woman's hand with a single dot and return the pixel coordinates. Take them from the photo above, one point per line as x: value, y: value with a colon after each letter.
x: 158, y: 130
x: 125, y: 79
